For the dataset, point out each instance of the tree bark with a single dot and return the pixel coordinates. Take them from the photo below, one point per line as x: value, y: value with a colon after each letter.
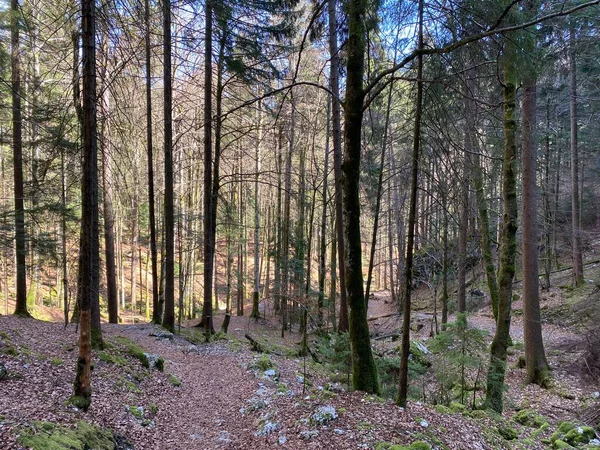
x: 379, y: 195
x: 337, y: 160
x: 209, y: 239
x: 17, y: 141
x: 508, y: 245
x: 535, y: 356
x: 403, y: 388
x: 169, y: 225
x: 575, y: 205
x: 89, y: 242
x: 364, y: 371
x: 107, y: 181
x: 156, y: 304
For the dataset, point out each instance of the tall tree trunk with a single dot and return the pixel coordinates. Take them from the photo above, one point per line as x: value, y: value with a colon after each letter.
x: 323, y: 228
x: 169, y: 225
x: 379, y: 195
x: 285, y: 232
x: 209, y: 240
x: 63, y: 238
x: 256, y: 292
x: 482, y: 202
x: 337, y: 160
x: 535, y: 356
x: 17, y: 140
x: 109, y: 219
x: 364, y: 371
x: 508, y: 244
x: 403, y: 388
x: 575, y: 205
x: 548, y: 219
x: 156, y: 305
x: 89, y: 243
x: 463, y: 230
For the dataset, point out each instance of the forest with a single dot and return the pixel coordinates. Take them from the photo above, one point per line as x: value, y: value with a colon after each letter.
x: 300, y: 223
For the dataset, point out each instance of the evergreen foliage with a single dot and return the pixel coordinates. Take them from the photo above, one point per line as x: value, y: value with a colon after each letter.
x: 459, y: 362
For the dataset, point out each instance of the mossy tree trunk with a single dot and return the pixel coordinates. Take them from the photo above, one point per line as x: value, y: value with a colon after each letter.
x: 364, y: 371
x: 169, y: 225
x: 508, y: 244
x: 482, y: 201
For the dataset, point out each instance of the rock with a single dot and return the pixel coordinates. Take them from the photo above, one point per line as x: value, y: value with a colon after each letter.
x: 324, y: 415
x: 308, y: 434
x: 338, y: 431
x: 282, y: 439
x: 155, y: 361
x: 424, y: 423
x: 267, y: 428
x: 162, y: 334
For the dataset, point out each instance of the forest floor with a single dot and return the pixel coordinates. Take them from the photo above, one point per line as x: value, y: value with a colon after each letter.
x: 223, y: 395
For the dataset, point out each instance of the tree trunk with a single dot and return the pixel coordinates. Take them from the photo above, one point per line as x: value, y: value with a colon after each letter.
x: 89, y: 242
x: 156, y: 305
x: 17, y: 141
x: 482, y: 202
x: 575, y: 205
x: 323, y: 228
x: 256, y: 292
x: 364, y: 371
x: 535, y: 356
x: 508, y: 244
x: 109, y: 219
x: 337, y: 160
x: 403, y: 389
x: 209, y: 239
x: 169, y: 225
x: 379, y: 195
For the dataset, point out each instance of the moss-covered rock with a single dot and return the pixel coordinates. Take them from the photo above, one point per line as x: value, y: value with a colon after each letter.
x: 580, y: 435
x: 529, y: 418
x: 49, y: 436
x: 417, y: 445
x: 572, y: 435
x: 508, y: 433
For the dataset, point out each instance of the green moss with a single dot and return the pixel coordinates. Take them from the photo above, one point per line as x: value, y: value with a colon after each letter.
x: 153, y: 409
x: 9, y: 350
x: 56, y: 362
x: 263, y: 362
x: 558, y: 444
x: 49, y: 436
x: 136, y: 411
x: 134, y: 350
x: 129, y: 385
x: 80, y: 402
x: 529, y: 418
x: 580, y: 435
x: 364, y: 425
x: 442, y: 409
x: 457, y: 407
x: 112, y: 358
x: 160, y: 364
x: 508, y: 433
x: 173, y: 380
x: 417, y: 445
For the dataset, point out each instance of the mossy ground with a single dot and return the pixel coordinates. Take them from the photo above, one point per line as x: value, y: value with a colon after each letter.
x: 50, y: 436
